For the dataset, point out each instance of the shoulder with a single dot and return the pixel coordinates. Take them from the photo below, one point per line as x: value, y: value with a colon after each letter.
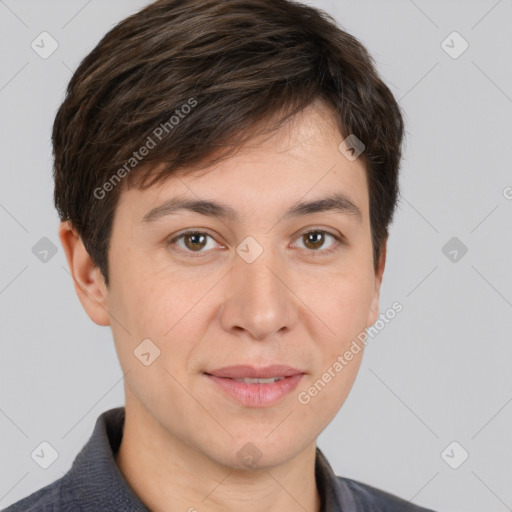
x: 55, y: 497
x: 371, y: 499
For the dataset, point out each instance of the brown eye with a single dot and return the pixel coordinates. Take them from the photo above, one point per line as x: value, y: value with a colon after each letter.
x: 315, y: 241
x: 194, y: 241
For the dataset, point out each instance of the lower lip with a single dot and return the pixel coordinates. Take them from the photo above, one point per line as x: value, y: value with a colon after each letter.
x: 257, y: 395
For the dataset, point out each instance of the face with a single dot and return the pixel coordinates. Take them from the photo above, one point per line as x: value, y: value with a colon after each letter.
x: 259, y: 285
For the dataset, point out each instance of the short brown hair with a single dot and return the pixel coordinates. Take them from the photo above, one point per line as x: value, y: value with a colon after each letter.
x: 234, y: 64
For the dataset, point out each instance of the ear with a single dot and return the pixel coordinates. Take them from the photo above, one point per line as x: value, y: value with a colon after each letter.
x: 374, y: 307
x: 88, y: 280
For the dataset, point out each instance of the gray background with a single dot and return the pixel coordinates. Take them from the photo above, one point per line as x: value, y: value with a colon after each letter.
x: 438, y: 373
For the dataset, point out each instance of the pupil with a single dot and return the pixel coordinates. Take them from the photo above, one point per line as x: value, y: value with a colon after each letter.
x: 194, y: 238
x: 318, y: 235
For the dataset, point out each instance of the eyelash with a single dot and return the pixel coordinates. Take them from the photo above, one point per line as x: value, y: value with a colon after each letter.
x: 339, y: 241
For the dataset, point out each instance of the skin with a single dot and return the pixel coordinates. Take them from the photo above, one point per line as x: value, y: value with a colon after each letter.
x: 296, y: 304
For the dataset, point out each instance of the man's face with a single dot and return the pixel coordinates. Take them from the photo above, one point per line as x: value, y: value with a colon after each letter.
x: 254, y: 290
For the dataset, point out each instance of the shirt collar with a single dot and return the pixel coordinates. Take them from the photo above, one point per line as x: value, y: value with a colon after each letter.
x: 99, y: 484
x: 95, y: 477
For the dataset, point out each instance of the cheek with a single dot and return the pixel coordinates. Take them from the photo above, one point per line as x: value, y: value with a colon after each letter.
x: 342, y: 302
x: 161, y: 310
x: 150, y: 300
x: 173, y: 313
x: 343, y: 305
x: 326, y: 390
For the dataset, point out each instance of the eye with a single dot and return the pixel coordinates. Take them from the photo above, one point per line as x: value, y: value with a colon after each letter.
x: 194, y: 241
x: 315, y: 239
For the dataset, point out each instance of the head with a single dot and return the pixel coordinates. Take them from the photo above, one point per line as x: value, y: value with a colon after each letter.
x: 241, y: 103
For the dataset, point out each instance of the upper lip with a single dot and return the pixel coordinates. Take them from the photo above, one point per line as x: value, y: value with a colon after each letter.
x: 247, y: 371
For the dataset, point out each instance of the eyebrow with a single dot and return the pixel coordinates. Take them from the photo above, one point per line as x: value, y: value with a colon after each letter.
x: 337, y: 202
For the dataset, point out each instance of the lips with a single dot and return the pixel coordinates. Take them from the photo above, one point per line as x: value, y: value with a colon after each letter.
x: 250, y: 372
x: 255, y: 387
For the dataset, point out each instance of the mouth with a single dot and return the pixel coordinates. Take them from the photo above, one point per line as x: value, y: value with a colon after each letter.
x: 275, y: 371
x: 259, y: 381
x: 256, y: 387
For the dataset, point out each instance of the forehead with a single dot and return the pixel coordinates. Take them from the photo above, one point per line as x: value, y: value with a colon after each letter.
x: 300, y: 160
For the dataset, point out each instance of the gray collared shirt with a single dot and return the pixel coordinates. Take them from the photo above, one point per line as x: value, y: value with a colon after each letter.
x: 95, y: 484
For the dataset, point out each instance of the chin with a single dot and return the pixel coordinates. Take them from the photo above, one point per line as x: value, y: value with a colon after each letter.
x: 251, y: 453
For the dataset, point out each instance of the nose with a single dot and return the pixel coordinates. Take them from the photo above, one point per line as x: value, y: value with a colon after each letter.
x: 259, y: 300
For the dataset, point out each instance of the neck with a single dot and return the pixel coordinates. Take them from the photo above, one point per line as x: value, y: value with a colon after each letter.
x: 169, y: 475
